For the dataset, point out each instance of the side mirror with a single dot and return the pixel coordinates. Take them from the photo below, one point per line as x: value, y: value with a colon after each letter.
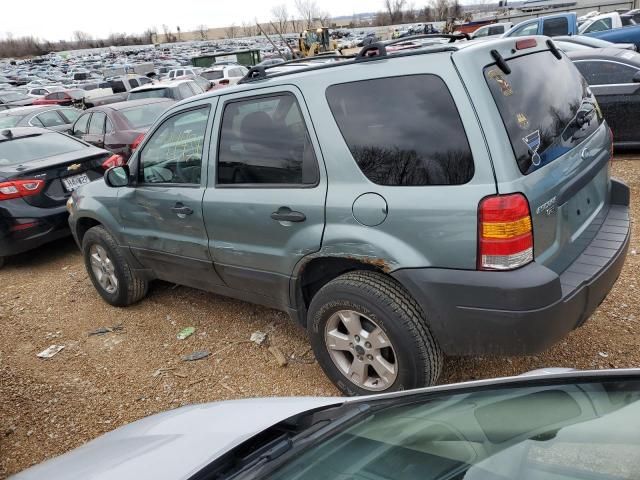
x: 117, y: 177
x: 636, y: 77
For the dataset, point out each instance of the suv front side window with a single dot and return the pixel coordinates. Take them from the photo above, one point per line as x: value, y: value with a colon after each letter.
x: 411, y: 136
x: 264, y: 140
x: 531, y: 29
x: 173, y: 154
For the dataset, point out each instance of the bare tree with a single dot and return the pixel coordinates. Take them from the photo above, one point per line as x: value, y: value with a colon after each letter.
x: 280, y: 17
x: 151, y: 34
x: 179, y: 36
x: 203, y: 31
x: 168, y: 36
x: 441, y: 9
x: 394, y: 9
x: 248, y: 30
x: 308, y: 11
x: 82, y: 39
x: 455, y: 9
x: 231, y: 31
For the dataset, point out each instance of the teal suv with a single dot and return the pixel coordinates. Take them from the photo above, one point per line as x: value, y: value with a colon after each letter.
x: 451, y: 199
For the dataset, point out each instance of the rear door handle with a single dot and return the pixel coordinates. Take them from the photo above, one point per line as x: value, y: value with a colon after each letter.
x: 181, y: 210
x: 285, y: 214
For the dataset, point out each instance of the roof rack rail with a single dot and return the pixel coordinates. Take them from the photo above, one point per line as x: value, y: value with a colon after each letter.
x: 259, y: 72
x: 381, y: 51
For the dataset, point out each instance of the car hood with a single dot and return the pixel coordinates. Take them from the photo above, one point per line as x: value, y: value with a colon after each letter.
x: 172, y: 445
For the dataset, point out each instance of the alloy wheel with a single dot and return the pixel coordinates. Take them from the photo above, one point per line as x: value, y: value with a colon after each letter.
x: 361, y: 350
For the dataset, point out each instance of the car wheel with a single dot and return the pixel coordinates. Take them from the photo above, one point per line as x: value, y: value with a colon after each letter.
x: 111, y: 274
x: 369, y: 335
x: 2, y: 260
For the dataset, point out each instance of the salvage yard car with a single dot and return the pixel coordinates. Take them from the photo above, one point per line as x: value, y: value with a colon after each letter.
x: 54, y: 117
x: 563, y: 426
x: 614, y: 78
x: 119, y: 127
x: 39, y: 168
x: 468, y: 210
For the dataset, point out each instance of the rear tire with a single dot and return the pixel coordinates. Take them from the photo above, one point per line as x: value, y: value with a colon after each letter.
x: 370, y: 336
x: 110, y: 273
x: 2, y: 260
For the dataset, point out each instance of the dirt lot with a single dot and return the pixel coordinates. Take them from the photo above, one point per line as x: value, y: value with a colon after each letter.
x: 100, y: 382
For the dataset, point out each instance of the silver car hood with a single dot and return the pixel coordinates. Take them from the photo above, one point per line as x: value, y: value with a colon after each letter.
x: 172, y: 445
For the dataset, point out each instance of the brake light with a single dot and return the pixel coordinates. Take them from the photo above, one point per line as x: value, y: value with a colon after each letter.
x: 526, y: 43
x: 20, y: 188
x: 137, y: 142
x: 113, y: 161
x: 224, y: 82
x: 505, y: 233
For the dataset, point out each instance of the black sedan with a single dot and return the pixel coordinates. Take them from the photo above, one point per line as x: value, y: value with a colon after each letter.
x: 39, y: 169
x: 614, y: 77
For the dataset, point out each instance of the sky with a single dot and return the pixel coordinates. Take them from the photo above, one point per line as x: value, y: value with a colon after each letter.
x: 52, y: 21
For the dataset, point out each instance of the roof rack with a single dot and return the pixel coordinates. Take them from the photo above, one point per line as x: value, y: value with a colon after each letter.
x: 380, y: 48
x: 372, y: 52
x: 259, y: 72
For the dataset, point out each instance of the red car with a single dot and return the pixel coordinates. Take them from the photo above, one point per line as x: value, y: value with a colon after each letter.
x: 67, y: 98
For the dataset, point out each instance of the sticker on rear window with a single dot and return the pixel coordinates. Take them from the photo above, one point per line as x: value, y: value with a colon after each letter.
x: 533, y: 144
x: 523, y: 121
x: 505, y: 87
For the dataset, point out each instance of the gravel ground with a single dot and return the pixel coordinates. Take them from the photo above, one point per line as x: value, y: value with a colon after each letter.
x: 100, y: 382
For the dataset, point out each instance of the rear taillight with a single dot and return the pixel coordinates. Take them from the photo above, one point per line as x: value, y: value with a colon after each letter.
x: 137, y: 142
x: 224, y: 82
x: 20, y: 188
x: 505, y: 234
x: 113, y: 161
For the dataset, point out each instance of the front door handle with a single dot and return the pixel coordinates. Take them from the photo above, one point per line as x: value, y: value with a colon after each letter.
x: 285, y: 214
x: 181, y: 210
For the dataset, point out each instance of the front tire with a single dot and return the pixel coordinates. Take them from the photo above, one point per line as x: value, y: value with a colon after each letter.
x: 110, y: 273
x: 370, y: 336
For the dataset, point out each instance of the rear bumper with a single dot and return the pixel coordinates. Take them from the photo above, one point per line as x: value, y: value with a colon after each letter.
x: 48, y: 224
x: 524, y: 311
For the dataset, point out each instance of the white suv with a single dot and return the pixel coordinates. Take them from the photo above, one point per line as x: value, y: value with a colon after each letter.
x: 224, y: 74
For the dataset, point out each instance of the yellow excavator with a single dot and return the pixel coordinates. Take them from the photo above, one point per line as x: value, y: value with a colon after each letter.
x: 314, y: 42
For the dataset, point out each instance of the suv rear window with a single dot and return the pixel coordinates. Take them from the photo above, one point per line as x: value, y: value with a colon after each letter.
x: 411, y: 134
x: 546, y: 106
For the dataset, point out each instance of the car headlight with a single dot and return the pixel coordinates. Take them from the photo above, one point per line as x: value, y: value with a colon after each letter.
x: 70, y: 204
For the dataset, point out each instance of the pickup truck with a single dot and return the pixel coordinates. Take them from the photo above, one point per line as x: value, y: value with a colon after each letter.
x: 120, y: 86
x: 612, y: 27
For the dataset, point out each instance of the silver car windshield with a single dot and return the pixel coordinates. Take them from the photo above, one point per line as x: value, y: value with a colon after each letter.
x: 588, y: 430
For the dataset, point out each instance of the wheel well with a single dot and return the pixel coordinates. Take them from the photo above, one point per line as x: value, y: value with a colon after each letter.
x: 320, y: 271
x: 83, y: 225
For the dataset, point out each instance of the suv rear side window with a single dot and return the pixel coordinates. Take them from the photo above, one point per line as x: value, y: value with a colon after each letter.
x: 546, y: 106
x: 555, y: 26
x: 410, y: 135
x: 265, y: 141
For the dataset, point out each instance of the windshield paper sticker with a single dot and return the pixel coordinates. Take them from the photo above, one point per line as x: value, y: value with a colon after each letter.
x: 533, y: 143
x: 505, y: 87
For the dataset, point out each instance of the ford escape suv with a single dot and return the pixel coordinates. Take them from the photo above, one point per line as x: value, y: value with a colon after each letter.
x: 453, y: 199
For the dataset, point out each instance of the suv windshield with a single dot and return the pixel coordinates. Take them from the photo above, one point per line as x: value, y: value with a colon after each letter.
x: 34, y: 147
x: 584, y: 430
x: 546, y: 106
